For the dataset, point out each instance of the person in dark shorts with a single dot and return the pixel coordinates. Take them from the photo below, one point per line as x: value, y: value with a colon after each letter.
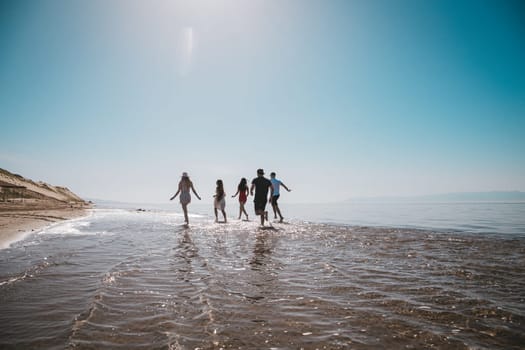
x: 262, y: 186
x: 276, y: 194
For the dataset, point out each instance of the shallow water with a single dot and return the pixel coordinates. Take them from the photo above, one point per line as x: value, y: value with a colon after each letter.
x: 140, y: 280
x: 474, y: 217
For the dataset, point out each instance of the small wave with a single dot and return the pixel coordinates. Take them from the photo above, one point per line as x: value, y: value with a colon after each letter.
x: 28, y: 273
x: 68, y: 227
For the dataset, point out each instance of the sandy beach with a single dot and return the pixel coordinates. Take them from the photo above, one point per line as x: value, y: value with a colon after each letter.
x: 19, y: 220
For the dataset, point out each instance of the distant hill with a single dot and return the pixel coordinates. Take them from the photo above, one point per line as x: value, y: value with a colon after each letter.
x: 493, y: 196
x: 14, y: 186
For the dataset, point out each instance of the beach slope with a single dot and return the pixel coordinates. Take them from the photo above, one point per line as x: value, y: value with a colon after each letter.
x: 26, y: 206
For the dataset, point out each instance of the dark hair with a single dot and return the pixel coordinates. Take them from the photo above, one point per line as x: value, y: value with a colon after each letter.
x: 219, y: 191
x: 242, y: 185
x: 186, y: 180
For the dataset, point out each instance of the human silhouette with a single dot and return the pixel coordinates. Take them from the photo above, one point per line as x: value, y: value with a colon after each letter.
x: 242, y: 191
x: 185, y: 185
x: 261, y: 186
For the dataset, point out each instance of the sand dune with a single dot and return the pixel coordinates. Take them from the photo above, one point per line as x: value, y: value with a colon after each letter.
x: 26, y: 205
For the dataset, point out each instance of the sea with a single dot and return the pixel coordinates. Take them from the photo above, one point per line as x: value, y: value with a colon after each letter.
x: 381, y: 275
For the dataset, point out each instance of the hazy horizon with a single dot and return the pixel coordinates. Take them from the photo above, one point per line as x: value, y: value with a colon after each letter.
x: 491, y: 196
x: 342, y: 99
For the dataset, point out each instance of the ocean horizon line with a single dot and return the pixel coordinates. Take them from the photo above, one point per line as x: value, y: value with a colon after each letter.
x: 468, y: 197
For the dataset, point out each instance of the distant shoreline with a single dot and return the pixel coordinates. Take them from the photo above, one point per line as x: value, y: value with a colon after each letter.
x: 18, y: 220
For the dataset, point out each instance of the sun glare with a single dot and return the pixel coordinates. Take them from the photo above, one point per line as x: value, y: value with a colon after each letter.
x: 188, y: 40
x: 187, y: 47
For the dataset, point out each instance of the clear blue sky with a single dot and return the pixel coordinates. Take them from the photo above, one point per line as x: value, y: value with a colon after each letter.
x: 115, y: 99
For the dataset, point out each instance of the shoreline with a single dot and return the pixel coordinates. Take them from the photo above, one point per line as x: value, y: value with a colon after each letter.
x: 17, y: 222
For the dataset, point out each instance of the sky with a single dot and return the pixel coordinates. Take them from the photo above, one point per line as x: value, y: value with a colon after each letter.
x: 342, y: 99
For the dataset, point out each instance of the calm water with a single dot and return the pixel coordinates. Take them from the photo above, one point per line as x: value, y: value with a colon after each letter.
x: 473, y: 217
x: 126, y: 279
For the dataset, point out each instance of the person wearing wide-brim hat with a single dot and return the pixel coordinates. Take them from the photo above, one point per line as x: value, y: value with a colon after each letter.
x: 185, y: 185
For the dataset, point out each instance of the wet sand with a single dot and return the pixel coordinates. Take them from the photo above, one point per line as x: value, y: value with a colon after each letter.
x: 17, y: 221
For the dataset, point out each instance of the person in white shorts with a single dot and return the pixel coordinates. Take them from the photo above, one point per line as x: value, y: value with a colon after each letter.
x: 219, y: 202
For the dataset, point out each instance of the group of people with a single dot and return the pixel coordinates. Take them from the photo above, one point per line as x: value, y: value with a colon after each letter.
x: 260, y: 188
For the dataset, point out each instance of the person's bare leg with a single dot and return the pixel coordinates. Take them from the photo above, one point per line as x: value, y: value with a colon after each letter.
x: 216, y: 215
x: 185, y: 210
x: 279, y: 212
x: 224, y: 214
x: 274, y: 212
x: 244, y: 211
x: 240, y: 210
x: 261, y: 214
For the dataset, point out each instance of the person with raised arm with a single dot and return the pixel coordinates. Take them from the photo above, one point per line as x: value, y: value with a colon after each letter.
x: 242, y: 191
x: 185, y: 185
x: 275, y: 195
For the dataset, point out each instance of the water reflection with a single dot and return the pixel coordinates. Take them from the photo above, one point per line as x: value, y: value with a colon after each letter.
x: 185, y: 252
x: 264, y: 270
x: 261, y: 252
